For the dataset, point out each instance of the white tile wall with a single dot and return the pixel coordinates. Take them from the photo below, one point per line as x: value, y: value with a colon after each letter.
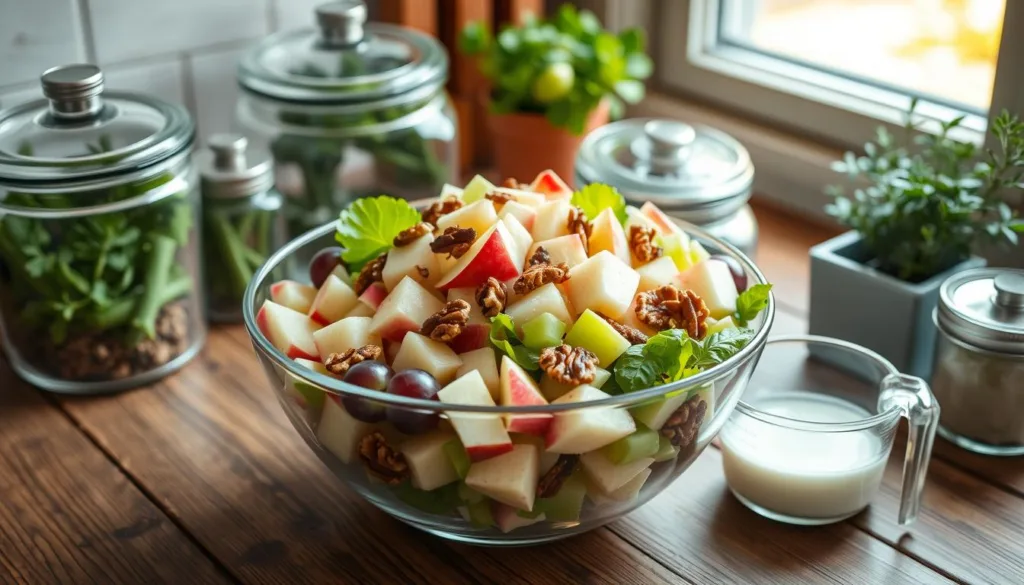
x: 182, y: 50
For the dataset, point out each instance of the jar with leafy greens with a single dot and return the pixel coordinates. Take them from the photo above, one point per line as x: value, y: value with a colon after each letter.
x: 348, y: 109
x: 99, y: 283
x: 241, y: 213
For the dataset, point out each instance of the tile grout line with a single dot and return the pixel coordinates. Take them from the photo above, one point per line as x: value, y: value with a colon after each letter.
x: 219, y: 565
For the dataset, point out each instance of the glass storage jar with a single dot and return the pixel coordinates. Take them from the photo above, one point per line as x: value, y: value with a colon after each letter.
x: 348, y: 109
x: 696, y: 173
x: 979, y: 360
x: 241, y: 221
x: 99, y: 282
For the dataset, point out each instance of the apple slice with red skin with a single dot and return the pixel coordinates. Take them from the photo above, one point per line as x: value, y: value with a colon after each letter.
x: 549, y: 184
x: 525, y: 215
x: 493, y: 254
x: 658, y: 217
x: 508, y: 519
x: 521, y: 236
x: 413, y: 260
x: 519, y: 389
x: 404, y: 310
x: 477, y: 331
x: 483, y: 435
x: 333, y: 301
x: 374, y: 295
x: 294, y: 295
x: 288, y: 330
x: 607, y: 235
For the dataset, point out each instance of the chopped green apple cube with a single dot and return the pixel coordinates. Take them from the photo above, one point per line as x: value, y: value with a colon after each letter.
x: 642, y: 443
x: 544, y: 330
x: 677, y: 247
x: 609, y: 476
x: 564, y: 506
x: 594, y: 333
x: 698, y: 253
x: 470, y: 495
x: 458, y: 457
x: 601, y: 376
x: 720, y: 325
x: 666, y: 450
x: 480, y: 513
x: 440, y: 501
x: 552, y: 389
x: 476, y: 189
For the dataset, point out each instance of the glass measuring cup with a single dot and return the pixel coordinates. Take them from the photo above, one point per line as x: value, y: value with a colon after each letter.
x: 808, y: 443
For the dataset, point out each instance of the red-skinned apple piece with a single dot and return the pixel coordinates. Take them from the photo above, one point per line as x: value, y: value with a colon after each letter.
x: 343, y: 335
x: 525, y: 215
x: 294, y: 295
x: 663, y: 222
x: 374, y: 295
x: 521, y: 236
x: 483, y: 435
x: 549, y: 184
x: 508, y: 519
x: 404, y: 310
x: 473, y: 337
x: 288, y: 330
x: 607, y: 235
x: 568, y: 249
x: 333, y: 300
x: 493, y: 254
x: 519, y: 389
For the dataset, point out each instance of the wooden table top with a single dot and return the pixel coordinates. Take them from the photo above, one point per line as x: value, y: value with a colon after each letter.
x: 200, y: 479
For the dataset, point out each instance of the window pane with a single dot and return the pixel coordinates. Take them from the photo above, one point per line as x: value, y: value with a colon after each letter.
x: 943, y: 49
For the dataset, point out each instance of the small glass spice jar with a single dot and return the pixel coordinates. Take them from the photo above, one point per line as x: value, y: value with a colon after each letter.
x: 241, y: 221
x: 979, y: 360
x: 348, y: 109
x: 696, y: 173
x: 99, y: 282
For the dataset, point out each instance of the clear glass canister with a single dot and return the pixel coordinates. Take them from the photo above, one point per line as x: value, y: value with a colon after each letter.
x: 99, y: 282
x: 979, y: 360
x: 242, y: 223
x: 696, y: 173
x: 348, y: 109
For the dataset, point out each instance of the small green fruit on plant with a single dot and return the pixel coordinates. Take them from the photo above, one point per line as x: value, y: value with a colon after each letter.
x: 929, y: 203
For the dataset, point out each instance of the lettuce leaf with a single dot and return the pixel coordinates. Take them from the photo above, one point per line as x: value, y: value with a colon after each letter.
x: 506, y: 341
x: 368, y: 226
x: 596, y: 197
x: 751, y: 302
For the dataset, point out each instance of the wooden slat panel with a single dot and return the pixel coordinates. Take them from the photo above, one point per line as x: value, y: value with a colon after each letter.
x: 68, y: 515
x: 465, y: 79
x: 418, y: 14
x: 698, y: 528
x: 213, y: 445
x: 515, y: 11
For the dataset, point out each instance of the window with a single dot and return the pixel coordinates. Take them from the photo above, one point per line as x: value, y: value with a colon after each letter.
x: 834, y: 68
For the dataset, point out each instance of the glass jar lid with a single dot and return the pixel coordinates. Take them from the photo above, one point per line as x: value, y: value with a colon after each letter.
x: 343, y: 60
x: 229, y: 169
x: 985, y: 308
x: 81, y: 131
x: 677, y: 166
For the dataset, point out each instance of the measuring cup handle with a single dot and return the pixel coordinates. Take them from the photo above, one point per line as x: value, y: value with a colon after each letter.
x: 917, y: 404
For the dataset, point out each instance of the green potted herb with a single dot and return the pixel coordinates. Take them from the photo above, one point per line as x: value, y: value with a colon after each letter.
x: 928, y: 202
x: 552, y: 81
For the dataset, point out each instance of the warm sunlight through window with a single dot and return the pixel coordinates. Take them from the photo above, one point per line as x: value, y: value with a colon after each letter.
x: 945, y: 49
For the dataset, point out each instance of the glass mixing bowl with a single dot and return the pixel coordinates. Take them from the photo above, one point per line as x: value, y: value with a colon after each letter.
x: 451, y: 511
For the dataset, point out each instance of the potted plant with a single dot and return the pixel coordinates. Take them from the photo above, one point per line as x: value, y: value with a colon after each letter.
x: 927, y: 203
x: 552, y: 81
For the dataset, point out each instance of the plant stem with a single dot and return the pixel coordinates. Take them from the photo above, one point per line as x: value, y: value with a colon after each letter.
x: 233, y: 253
x: 155, y: 279
x: 120, y: 312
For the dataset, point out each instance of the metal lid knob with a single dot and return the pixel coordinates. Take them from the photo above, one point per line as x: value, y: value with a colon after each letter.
x: 669, y: 144
x: 341, y: 23
x: 227, y: 171
x: 73, y: 90
x: 228, y: 151
x: 1009, y: 291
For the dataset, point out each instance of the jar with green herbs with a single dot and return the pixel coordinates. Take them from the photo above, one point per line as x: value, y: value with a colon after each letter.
x: 348, y: 109
x: 241, y: 221
x: 99, y: 280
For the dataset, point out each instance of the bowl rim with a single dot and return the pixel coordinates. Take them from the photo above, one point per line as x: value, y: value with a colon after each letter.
x: 339, y: 388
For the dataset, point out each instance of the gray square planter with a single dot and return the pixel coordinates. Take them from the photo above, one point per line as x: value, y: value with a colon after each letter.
x: 854, y: 302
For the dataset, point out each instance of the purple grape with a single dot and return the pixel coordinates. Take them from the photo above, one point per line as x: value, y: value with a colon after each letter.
x: 370, y: 375
x: 321, y: 266
x: 739, y: 276
x: 414, y: 384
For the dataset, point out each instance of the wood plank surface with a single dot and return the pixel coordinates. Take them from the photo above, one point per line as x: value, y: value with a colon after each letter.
x: 68, y: 515
x: 214, y: 447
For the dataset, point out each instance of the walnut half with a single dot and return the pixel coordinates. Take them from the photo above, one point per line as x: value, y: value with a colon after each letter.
x: 455, y: 241
x: 667, y: 307
x: 491, y: 296
x: 382, y: 460
x: 537, y: 275
x: 682, y: 426
x: 568, y: 365
x: 340, y: 363
x: 446, y: 324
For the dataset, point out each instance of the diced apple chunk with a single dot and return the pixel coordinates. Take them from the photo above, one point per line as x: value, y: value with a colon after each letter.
x: 361, y: 310
x: 422, y: 353
x: 654, y: 414
x: 289, y: 331
x: 483, y: 361
x: 552, y: 220
x: 349, y: 333
x: 626, y: 493
x: 429, y: 465
x: 586, y: 429
x: 546, y: 299
x: 568, y: 249
x: 476, y: 189
x: 339, y: 432
x: 494, y: 254
x: 594, y: 333
x: 374, y: 295
x: 476, y: 333
x: 657, y: 273
x: 519, y: 389
x: 510, y: 478
x: 609, y: 476
x: 415, y: 260
x: 712, y: 281
x: 294, y: 295
x: 604, y: 284
x: 521, y: 237
x: 483, y: 435
x: 479, y: 215
x: 663, y: 222
x: 404, y: 310
x: 607, y: 235
x: 525, y: 215
x: 549, y: 184
x: 508, y: 519
x: 332, y: 301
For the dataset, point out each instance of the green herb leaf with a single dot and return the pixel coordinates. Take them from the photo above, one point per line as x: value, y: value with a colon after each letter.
x: 596, y: 197
x: 661, y: 360
x: 506, y: 341
x: 751, y: 302
x: 718, y: 347
x: 368, y: 226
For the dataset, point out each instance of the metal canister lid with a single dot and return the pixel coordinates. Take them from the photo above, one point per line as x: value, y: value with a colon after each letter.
x: 984, y: 307
x: 678, y: 166
x: 230, y: 170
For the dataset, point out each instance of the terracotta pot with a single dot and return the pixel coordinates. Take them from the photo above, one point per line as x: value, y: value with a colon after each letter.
x: 526, y: 144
